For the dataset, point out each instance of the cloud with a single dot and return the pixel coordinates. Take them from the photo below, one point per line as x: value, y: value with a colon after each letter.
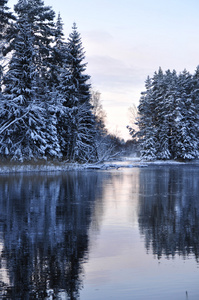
x: 96, y: 36
x: 114, y: 74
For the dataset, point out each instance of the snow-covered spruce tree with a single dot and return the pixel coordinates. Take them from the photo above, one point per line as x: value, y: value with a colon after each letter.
x: 5, y: 18
x: 21, y: 116
x: 168, y: 118
x: 41, y: 20
x: 28, y: 128
x: 146, y: 122
x: 58, y: 57
x: 5, y: 23
x: 195, y: 92
x: 80, y: 132
x: 58, y: 78
x: 164, y: 90
x: 180, y: 115
x: 185, y: 137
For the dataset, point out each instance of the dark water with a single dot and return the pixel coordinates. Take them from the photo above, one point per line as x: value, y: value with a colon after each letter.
x: 94, y: 235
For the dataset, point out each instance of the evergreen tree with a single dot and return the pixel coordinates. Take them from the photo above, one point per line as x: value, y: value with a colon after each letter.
x: 45, y: 103
x: 168, y: 117
x: 186, y: 120
x: 146, y: 119
x: 58, y: 82
x: 58, y: 55
x: 5, y: 17
x: 41, y: 21
x: 28, y: 129
x: 165, y: 106
x: 195, y: 90
x: 81, y: 126
x: 21, y: 115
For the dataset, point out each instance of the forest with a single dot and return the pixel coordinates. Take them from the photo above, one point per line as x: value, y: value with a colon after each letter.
x: 48, y: 110
x: 168, y: 116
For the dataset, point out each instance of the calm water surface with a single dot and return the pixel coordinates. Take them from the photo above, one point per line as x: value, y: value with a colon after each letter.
x: 96, y: 235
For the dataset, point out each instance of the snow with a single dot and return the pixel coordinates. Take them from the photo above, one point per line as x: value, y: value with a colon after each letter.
x: 48, y: 167
x: 124, y: 163
x: 168, y: 116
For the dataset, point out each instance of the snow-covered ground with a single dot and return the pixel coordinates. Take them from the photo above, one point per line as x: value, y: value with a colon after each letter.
x: 45, y: 167
x: 124, y: 162
x: 19, y: 168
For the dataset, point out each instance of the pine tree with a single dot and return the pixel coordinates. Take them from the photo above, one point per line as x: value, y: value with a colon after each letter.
x: 168, y: 117
x: 5, y: 22
x: 5, y: 17
x: 186, y: 120
x: 58, y: 55
x: 195, y: 94
x: 58, y: 75
x: 28, y: 129
x: 165, y: 107
x: 45, y: 104
x: 81, y: 126
x: 146, y: 120
x: 22, y: 115
x: 41, y: 21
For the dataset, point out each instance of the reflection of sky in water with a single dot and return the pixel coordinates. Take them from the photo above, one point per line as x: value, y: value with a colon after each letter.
x: 3, y: 273
x: 118, y: 266
x: 107, y: 234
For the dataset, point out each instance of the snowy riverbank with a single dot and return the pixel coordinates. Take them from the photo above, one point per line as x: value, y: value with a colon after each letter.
x: 126, y: 162
x: 63, y: 167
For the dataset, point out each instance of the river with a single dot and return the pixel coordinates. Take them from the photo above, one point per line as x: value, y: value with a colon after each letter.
x: 130, y: 233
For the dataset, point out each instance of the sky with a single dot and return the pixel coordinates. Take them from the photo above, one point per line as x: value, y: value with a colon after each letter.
x: 127, y: 40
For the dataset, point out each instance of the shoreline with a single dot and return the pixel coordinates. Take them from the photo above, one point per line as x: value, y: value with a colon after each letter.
x: 123, y: 163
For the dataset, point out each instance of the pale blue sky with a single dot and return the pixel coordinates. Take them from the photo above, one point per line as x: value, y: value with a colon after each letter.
x: 127, y: 40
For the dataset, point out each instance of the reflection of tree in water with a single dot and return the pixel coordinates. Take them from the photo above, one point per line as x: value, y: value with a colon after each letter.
x: 44, y: 222
x: 169, y: 210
